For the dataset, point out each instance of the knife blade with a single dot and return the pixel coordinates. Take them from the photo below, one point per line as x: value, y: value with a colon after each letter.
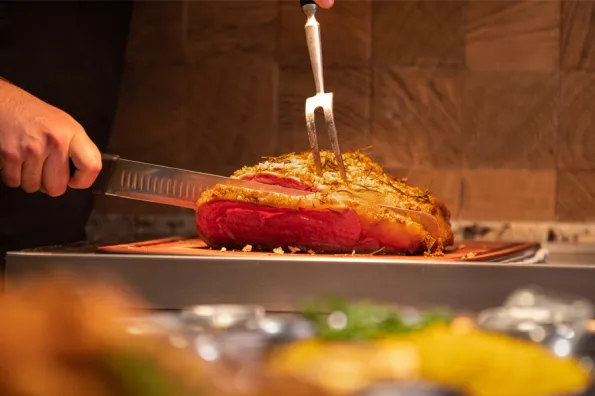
x: 170, y: 186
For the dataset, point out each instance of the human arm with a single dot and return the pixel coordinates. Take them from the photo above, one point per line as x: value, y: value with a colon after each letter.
x: 36, y: 142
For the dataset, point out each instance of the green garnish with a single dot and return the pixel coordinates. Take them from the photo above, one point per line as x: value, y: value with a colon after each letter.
x: 140, y: 375
x: 340, y: 320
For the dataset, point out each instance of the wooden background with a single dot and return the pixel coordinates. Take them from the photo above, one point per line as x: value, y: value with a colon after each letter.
x: 489, y: 103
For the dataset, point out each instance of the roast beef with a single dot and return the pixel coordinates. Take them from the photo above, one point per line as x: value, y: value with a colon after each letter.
x: 339, y: 217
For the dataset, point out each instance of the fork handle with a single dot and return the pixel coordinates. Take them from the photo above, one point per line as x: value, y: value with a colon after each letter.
x: 309, y: 8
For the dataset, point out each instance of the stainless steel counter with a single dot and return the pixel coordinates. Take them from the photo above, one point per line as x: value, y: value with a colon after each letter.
x: 561, y: 254
x: 281, y: 283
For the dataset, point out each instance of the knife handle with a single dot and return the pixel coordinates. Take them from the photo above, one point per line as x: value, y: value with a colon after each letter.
x: 108, y: 165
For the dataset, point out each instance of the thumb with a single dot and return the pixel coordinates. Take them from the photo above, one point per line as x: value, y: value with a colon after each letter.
x: 87, y: 160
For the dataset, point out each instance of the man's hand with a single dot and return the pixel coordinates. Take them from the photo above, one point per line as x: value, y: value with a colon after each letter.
x: 36, y: 141
x: 325, y: 3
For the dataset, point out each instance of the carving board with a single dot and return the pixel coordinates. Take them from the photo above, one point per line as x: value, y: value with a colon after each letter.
x: 467, y: 251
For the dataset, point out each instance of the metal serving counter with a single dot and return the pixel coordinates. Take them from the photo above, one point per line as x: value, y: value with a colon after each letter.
x: 280, y: 283
x: 570, y: 254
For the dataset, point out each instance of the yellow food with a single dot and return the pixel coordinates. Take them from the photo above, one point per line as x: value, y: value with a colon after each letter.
x: 462, y: 358
x: 486, y: 364
x: 342, y: 368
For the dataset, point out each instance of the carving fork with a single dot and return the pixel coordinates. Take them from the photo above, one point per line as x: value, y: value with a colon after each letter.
x: 321, y: 99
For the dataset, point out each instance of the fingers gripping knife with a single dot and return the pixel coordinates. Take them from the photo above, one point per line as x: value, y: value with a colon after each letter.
x: 321, y: 99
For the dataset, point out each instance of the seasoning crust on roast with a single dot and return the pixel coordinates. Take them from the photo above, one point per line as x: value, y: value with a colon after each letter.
x: 338, y: 217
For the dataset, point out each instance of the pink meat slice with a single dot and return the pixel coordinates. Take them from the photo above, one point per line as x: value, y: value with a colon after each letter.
x: 236, y: 224
x: 288, y: 182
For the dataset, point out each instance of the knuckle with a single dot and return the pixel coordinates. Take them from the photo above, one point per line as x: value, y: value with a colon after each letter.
x: 34, y: 149
x: 95, y: 168
x: 57, y: 142
x: 10, y: 155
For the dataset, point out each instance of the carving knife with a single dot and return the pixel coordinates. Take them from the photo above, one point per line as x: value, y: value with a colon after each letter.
x: 170, y: 186
x: 179, y: 187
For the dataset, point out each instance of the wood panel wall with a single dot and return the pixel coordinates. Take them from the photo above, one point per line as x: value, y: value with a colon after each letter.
x: 491, y: 104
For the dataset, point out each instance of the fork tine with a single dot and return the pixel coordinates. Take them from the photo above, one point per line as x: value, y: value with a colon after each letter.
x: 311, y: 127
x: 332, y: 133
x: 322, y: 99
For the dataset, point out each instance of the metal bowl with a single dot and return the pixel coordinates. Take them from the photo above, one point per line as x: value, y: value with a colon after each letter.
x: 209, y: 318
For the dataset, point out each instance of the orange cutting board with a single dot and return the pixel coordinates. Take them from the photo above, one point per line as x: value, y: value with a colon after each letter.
x: 469, y: 251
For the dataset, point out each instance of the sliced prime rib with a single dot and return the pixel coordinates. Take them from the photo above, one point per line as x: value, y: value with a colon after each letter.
x: 338, y: 218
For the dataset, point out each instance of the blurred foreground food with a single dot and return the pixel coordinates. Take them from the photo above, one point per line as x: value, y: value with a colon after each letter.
x: 57, y: 340
x: 469, y: 360
x: 360, y: 343
x: 65, y: 336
